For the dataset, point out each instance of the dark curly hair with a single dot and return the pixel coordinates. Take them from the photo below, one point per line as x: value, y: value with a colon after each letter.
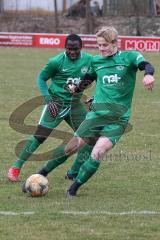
x: 73, y: 37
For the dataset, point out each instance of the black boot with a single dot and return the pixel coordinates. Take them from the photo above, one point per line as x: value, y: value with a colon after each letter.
x: 42, y: 172
x: 71, y: 176
x: 72, y: 191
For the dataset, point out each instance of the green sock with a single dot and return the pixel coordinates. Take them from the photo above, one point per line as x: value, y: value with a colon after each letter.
x: 59, y: 157
x: 87, y: 170
x: 82, y: 156
x: 30, y: 146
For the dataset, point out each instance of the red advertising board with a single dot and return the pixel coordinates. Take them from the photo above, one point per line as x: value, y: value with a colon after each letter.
x: 89, y: 41
x: 148, y: 44
x: 14, y: 39
x: 49, y: 40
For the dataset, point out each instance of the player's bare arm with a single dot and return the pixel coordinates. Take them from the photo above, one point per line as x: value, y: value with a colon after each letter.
x: 148, y: 80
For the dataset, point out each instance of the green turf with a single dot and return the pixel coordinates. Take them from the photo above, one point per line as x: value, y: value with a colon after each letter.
x: 128, y: 180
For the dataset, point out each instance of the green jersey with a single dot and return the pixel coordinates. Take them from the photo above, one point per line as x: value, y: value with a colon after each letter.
x: 116, y: 76
x: 61, y: 70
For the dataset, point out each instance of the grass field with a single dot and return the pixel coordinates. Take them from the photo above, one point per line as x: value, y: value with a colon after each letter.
x: 121, y: 202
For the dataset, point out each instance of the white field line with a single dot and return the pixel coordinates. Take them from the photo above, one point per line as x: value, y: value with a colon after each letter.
x: 10, y: 213
x: 86, y: 213
x: 145, y: 212
x: 157, y: 102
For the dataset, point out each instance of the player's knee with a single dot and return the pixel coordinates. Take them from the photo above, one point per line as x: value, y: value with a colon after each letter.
x: 42, y: 133
x: 74, y: 145
x: 98, y: 153
x: 40, y: 139
x: 102, y: 146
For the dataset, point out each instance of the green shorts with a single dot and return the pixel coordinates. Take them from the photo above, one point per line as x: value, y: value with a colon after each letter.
x: 96, y: 125
x: 74, y: 114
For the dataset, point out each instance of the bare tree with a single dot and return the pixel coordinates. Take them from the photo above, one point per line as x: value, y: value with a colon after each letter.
x: 152, y: 12
x: 56, y: 16
x: 137, y: 10
x: 1, y: 6
x: 89, y: 18
x: 64, y: 6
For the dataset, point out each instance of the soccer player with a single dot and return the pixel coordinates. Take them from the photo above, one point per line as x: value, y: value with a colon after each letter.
x: 65, y: 68
x: 115, y: 74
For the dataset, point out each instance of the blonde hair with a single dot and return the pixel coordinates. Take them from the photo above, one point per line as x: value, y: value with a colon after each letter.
x: 110, y: 34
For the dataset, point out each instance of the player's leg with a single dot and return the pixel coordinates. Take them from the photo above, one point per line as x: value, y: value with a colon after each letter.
x: 61, y: 154
x: 77, y: 115
x: 110, y: 135
x: 29, y: 148
x: 45, y: 127
x: 82, y: 155
x: 90, y: 166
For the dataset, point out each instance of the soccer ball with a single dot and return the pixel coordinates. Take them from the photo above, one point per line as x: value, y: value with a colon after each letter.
x: 36, y: 185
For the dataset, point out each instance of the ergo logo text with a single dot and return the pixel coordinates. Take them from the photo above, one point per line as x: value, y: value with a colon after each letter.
x: 49, y: 41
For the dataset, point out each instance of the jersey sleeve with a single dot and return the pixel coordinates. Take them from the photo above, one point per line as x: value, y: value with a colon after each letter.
x: 49, y: 70
x: 135, y: 58
x: 92, y: 71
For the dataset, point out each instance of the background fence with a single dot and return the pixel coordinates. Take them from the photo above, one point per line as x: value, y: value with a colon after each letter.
x: 59, y: 15
x: 130, y: 7
x: 107, y: 7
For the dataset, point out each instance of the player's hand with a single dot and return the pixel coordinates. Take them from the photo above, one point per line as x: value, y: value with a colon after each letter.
x: 52, y: 105
x: 148, y: 82
x: 89, y: 102
x: 53, y: 109
x: 72, y: 88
